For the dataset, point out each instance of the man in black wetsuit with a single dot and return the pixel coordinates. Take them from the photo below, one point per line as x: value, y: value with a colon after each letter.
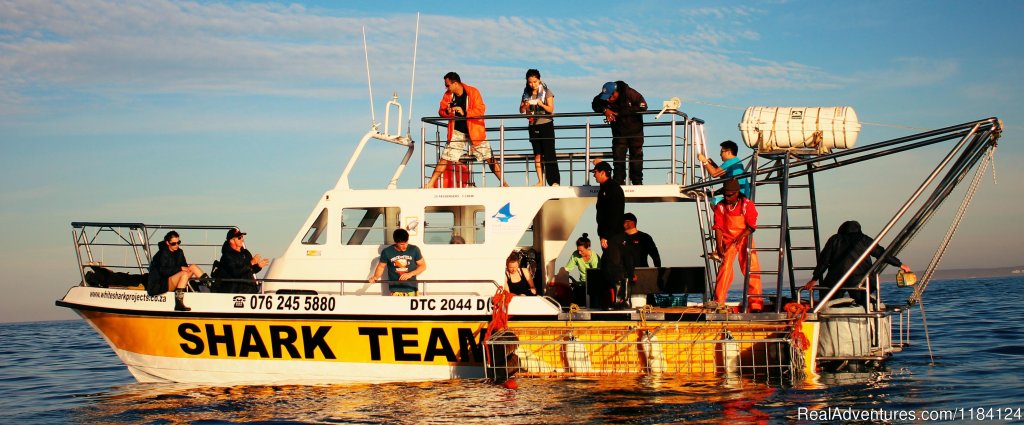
x: 641, y: 245
x: 840, y: 252
x: 616, y: 263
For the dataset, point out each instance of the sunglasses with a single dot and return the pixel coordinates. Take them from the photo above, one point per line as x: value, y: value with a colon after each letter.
x: 174, y: 243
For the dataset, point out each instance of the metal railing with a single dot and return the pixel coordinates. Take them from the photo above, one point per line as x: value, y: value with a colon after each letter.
x: 667, y: 148
x: 131, y: 246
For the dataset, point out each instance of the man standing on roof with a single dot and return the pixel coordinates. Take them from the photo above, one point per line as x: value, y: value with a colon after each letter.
x: 459, y: 101
x: 731, y: 166
x: 621, y: 105
x: 616, y: 262
x: 735, y: 219
x: 641, y: 245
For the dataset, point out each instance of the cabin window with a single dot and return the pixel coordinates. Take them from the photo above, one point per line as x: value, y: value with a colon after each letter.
x: 446, y: 224
x: 368, y: 226
x: 317, y: 233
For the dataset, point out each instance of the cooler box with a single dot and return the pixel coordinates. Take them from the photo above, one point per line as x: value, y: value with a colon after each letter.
x: 454, y: 175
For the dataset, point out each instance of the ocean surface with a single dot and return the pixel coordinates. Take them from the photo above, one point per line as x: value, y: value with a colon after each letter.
x: 63, y: 372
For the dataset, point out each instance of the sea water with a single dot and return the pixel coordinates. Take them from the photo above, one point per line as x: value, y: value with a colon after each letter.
x: 63, y: 372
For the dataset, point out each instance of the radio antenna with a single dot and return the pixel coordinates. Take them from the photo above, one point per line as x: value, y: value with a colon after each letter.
x: 412, y: 85
x: 369, y: 83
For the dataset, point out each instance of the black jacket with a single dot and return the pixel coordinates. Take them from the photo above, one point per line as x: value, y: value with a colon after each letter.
x: 164, y: 265
x: 611, y: 205
x: 842, y: 250
x: 629, y: 103
x: 235, y: 265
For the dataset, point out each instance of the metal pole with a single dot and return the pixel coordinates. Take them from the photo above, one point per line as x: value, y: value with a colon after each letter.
x: 783, y: 231
x: 895, y: 218
x: 672, y: 170
x: 586, y: 166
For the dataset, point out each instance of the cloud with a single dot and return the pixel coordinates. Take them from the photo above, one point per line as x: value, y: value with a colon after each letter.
x: 52, y: 51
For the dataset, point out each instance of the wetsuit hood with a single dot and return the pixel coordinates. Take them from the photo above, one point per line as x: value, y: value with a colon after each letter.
x: 849, y: 227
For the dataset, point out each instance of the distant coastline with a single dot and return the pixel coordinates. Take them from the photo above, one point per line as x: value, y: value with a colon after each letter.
x: 978, y: 273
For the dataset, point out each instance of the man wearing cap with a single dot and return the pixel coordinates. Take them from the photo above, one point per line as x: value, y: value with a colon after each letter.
x: 463, y: 100
x: 402, y: 261
x: 616, y: 263
x: 735, y: 219
x: 236, y: 271
x: 640, y: 244
x: 731, y: 166
x: 620, y: 105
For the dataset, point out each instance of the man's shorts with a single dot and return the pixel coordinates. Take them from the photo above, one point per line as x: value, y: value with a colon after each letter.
x: 459, y: 145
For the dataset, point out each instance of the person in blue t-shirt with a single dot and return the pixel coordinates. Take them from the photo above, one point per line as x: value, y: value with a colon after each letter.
x: 402, y: 261
x: 731, y: 166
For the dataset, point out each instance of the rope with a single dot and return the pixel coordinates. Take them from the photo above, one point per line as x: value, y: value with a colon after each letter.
x: 643, y: 315
x: 927, y: 337
x: 798, y: 313
x: 573, y: 309
x: 740, y: 108
x: 954, y: 225
x: 499, y: 315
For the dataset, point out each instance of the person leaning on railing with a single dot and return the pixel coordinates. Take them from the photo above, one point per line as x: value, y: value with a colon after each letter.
x: 621, y: 106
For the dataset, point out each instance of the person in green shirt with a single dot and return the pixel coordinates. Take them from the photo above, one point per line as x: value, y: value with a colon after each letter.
x: 584, y: 258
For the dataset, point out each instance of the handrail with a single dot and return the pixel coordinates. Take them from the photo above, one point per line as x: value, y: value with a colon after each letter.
x: 135, y: 237
x: 581, y: 128
x: 971, y: 146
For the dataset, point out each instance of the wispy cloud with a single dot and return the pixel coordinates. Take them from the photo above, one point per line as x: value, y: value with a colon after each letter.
x: 113, y: 49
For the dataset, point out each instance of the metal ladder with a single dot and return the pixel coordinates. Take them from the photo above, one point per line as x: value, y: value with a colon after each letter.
x: 702, y: 197
x: 797, y: 227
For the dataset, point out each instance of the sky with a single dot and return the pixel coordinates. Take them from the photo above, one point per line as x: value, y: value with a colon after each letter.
x: 245, y: 112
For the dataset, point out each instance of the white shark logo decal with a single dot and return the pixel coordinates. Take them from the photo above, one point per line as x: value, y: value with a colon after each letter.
x: 504, y: 214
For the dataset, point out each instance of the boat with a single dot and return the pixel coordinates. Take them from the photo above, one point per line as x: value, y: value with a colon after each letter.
x: 317, y: 318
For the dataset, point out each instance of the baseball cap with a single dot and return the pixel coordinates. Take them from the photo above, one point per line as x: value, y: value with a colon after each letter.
x: 629, y: 217
x: 602, y: 166
x: 607, y: 90
x: 234, y: 233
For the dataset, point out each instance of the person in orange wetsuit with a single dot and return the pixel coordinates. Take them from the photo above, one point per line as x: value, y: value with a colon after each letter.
x: 735, y: 219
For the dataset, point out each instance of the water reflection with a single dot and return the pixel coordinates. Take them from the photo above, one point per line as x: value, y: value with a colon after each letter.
x: 649, y: 399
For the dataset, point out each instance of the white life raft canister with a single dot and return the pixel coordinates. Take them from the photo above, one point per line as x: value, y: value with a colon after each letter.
x: 773, y: 128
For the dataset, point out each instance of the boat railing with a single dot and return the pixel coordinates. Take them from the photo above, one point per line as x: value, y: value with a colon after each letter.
x: 129, y: 247
x: 579, y: 139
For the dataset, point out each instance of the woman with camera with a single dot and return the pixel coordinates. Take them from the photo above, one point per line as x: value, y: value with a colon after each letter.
x: 539, y: 103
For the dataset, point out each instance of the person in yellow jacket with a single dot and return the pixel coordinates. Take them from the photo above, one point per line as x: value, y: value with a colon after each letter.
x: 735, y: 219
x: 463, y: 100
